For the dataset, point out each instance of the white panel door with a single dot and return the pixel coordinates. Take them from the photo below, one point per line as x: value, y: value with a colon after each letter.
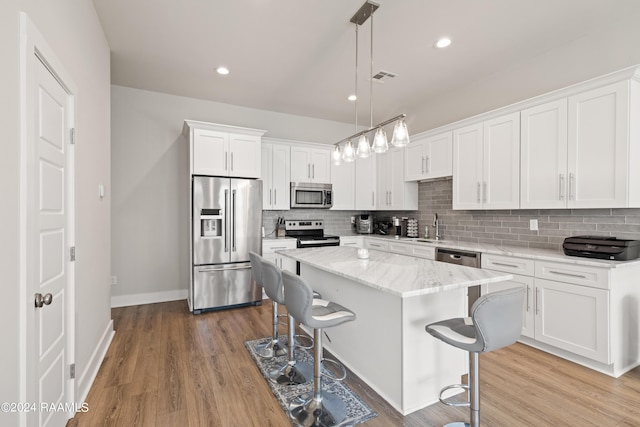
x: 321, y: 165
x: 300, y: 164
x: 280, y: 181
x: 267, y: 176
x: 501, y: 166
x: 52, y: 202
x: 244, y: 156
x: 467, y: 167
x: 438, y: 156
x: 366, y: 186
x: 599, y: 147
x: 415, y: 160
x: 210, y: 152
x: 543, y: 145
x: 343, y: 180
x: 384, y: 168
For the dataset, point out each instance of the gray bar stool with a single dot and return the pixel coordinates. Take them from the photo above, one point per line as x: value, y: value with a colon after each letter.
x: 293, y: 372
x: 322, y: 409
x: 495, y: 322
x: 274, y: 347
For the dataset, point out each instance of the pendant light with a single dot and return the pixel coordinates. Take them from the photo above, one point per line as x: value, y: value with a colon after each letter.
x: 380, y: 144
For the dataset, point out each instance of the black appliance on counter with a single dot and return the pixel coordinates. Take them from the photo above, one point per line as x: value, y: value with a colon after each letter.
x: 602, y: 247
x: 309, y: 233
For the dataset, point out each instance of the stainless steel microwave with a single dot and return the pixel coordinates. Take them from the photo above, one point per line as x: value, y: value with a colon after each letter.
x: 311, y: 195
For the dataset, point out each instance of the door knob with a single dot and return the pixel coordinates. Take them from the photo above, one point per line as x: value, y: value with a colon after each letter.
x: 43, y: 300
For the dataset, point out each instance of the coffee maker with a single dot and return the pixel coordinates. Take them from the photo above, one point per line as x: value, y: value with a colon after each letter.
x: 364, y: 224
x: 399, y: 226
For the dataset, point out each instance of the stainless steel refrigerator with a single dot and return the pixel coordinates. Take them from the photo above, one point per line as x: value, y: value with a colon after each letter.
x: 226, y: 225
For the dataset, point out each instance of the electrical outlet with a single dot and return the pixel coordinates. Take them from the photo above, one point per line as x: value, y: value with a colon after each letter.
x: 533, y: 224
x: 114, y: 280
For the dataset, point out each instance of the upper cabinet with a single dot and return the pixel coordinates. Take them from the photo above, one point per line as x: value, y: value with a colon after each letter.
x: 310, y: 164
x: 486, y: 164
x: 276, y: 160
x: 394, y: 193
x: 222, y: 150
x: 429, y: 157
x: 366, y: 187
x: 577, y: 152
x: 343, y: 178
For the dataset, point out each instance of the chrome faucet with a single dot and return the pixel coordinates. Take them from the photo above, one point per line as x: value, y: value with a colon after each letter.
x: 436, y: 224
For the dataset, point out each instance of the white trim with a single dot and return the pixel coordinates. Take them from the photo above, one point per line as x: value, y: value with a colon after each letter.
x: 147, y: 298
x: 85, y: 381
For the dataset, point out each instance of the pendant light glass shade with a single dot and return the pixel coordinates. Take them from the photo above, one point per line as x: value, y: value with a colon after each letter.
x: 364, y: 149
x: 380, y: 144
x: 400, y: 134
x: 336, y: 156
x: 348, y: 154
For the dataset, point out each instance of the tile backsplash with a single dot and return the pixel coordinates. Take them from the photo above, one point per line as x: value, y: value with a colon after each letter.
x: 511, y: 227
x: 500, y: 227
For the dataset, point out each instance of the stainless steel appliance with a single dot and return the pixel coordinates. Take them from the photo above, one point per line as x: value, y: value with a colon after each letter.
x: 364, y: 224
x: 310, y: 233
x: 226, y: 225
x: 311, y: 195
x: 467, y: 259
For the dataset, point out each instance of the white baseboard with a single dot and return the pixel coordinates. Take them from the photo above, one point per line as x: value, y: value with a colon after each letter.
x: 89, y: 375
x: 148, y: 298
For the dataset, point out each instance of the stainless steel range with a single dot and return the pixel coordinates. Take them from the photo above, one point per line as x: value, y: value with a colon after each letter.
x: 310, y: 233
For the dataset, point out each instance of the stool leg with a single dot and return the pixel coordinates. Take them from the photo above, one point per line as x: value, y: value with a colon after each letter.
x: 294, y: 372
x: 322, y: 409
x: 474, y: 389
x: 273, y: 348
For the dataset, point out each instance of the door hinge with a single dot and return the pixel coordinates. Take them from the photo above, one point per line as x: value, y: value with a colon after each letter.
x: 72, y: 136
x: 72, y: 253
x: 72, y: 371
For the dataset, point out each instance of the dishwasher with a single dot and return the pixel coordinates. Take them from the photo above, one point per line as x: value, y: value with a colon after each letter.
x: 464, y: 258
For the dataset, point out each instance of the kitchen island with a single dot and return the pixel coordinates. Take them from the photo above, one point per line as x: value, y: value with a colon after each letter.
x: 394, y: 297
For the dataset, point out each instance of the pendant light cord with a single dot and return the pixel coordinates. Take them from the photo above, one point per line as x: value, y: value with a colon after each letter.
x: 371, y: 75
x: 356, y: 83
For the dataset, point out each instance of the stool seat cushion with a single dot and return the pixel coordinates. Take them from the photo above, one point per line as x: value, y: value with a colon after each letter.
x: 496, y: 322
x: 314, y: 312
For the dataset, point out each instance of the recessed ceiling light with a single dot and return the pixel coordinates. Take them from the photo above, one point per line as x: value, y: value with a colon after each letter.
x: 222, y: 70
x: 352, y: 98
x: 442, y: 42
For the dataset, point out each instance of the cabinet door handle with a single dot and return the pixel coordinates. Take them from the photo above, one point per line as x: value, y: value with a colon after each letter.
x: 561, y: 189
x: 309, y: 170
x: 275, y: 196
x: 562, y: 273
x: 390, y: 198
x: 505, y: 265
x: 478, y: 192
x: 484, y: 191
x: 537, y: 300
x: 422, y: 164
x: 232, y: 161
x: 225, y: 160
x: 572, y: 179
x: 313, y: 171
x: 270, y: 202
x: 373, y: 198
x: 528, y: 305
x: 426, y: 163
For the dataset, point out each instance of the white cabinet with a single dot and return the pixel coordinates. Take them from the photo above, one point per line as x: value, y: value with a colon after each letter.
x: 377, y: 244
x: 418, y: 250
x: 355, y: 241
x: 577, y: 151
x: 394, y: 192
x: 276, y: 159
x: 343, y: 179
x: 486, y: 164
x: 366, y: 183
x: 221, y: 150
x: 269, y: 246
x: 429, y: 157
x: 310, y: 164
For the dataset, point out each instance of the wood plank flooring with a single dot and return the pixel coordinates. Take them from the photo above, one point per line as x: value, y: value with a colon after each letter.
x: 167, y: 367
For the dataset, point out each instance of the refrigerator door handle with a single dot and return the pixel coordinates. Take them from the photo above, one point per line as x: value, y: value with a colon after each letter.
x: 224, y: 267
x: 226, y: 216
x: 233, y: 218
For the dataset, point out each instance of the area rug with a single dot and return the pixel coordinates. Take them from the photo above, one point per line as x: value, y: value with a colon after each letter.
x: 357, y: 411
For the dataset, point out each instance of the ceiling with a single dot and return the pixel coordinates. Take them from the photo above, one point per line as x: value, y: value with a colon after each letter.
x: 298, y: 56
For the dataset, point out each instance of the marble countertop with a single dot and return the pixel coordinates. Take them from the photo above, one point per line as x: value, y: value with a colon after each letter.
x: 401, y: 275
x: 515, y: 251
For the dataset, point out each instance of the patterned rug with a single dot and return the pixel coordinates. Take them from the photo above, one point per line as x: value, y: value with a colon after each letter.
x: 357, y: 411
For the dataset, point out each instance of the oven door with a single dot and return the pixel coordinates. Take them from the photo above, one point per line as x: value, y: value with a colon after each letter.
x: 309, y: 195
x: 316, y: 243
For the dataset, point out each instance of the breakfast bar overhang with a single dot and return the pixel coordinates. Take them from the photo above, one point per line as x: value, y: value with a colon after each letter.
x: 394, y: 297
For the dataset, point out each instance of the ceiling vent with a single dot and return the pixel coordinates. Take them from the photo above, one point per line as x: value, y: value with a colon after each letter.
x: 382, y: 75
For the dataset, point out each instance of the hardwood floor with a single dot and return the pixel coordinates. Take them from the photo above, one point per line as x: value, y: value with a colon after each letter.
x: 167, y: 367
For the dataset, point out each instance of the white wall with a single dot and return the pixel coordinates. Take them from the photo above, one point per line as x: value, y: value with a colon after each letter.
x: 150, y: 169
x: 73, y: 31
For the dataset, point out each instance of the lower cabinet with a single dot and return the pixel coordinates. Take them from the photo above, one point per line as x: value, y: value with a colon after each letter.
x: 568, y: 316
x: 417, y: 250
x: 268, y: 252
x: 355, y: 241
